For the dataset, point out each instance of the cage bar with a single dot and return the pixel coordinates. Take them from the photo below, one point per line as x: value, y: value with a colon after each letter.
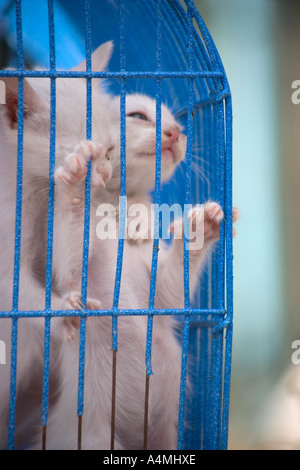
x: 116, y: 75
x: 186, y: 327
x: 19, y: 176
x: 157, y: 200
x: 122, y: 217
x: 45, y: 391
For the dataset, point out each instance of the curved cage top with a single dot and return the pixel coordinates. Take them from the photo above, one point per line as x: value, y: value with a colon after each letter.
x: 139, y: 57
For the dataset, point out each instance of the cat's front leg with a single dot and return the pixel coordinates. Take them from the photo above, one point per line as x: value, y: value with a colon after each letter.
x: 74, y: 170
x: 72, y: 324
x: 70, y: 181
x: 212, y: 216
x: 69, y: 208
x: 204, y: 227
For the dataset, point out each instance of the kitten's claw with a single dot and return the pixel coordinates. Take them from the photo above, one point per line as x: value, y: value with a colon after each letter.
x: 74, y: 169
x: 70, y: 327
x: 73, y: 301
x: 206, y: 218
x: 72, y: 324
x: 213, y: 216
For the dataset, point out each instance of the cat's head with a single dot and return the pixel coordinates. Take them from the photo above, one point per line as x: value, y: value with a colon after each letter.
x: 141, y: 142
x: 70, y: 109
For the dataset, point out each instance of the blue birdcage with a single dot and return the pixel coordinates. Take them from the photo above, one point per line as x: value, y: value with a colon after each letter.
x: 162, y: 48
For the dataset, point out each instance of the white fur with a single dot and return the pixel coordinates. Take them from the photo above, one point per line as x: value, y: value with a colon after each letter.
x: 70, y: 128
x: 134, y: 294
x: 72, y: 152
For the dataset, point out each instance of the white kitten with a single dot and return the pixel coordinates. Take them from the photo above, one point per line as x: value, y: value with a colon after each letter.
x: 70, y: 128
x: 134, y: 294
x: 71, y: 158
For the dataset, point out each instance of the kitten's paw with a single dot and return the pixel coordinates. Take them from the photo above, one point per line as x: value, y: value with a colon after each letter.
x: 206, y: 218
x: 74, y: 169
x: 70, y: 327
x: 205, y: 221
x: 235, y: 217
x: 213, y: 216
x: 72, y: 324
x: 235, y: 214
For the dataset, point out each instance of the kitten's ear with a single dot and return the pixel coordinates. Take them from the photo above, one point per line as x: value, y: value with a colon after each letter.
x: 102, y: 55
x: 31, y: 100
x: 100, y: 58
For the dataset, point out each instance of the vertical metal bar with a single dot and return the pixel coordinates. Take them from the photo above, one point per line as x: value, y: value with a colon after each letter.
x: 123, y: 206
x: 17, y: 255
x: 213, y: 63
x: 210, y: 386
x: 229, y: 272
x: 217, y: 65
x: 13, y: 384
x: 88, y: 48
x: 157, y: 200
x: 186, y: 326
x: 214, y: 278
x: 113, y: 400
x: 45, y: 395
x: 221, y: 275
x: 85, y: 259
x: 122, y: 222
x: 157, y: 190
x: 221, y: 186
x: 216, y: 397
x: 122, y: 171
x: 205, y: 355
x: 218, y: 280
x: 201, y: 341
x: 146, y: 411
x: 122, y: 218
x: 226, y: 391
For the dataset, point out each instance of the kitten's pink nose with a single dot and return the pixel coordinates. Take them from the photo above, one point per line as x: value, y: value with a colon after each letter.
x: 173, y: 134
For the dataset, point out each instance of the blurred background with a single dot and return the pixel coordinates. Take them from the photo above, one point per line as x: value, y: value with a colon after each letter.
x: 259, y: 44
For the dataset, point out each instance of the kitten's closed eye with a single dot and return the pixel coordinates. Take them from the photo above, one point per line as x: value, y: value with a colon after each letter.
x: 138, y: 116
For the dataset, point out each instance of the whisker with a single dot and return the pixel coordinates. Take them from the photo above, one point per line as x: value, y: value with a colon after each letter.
x: 202, y: 148
x: 203, y: 173
x: 196, y: 157
x: 174, y: 105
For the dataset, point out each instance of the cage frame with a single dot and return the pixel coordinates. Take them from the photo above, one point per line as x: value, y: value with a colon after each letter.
x: 217, y: 432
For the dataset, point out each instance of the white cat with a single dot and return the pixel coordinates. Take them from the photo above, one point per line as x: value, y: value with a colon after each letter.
x: 134, y: 294
x: 71, y: 158
x: 70, y: 128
